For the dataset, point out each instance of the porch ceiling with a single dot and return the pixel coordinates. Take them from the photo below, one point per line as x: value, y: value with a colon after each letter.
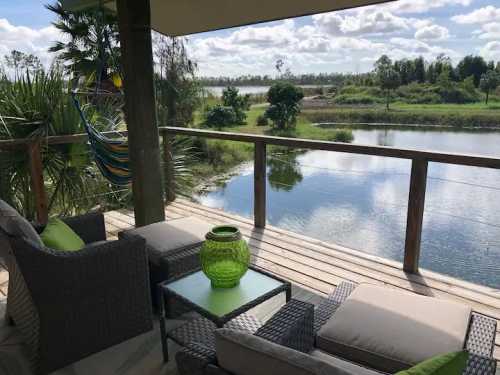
x: 184, y: 17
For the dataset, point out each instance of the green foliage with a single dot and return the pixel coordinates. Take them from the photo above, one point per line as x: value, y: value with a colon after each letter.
x: 20, y: 62
x: 343, y: 135
x: 356, y: 99
x: 489, y: 82
x: 239, y: 103
x: 219, y: 116
x: 284, y: 170
x: 91, y: 41
x: 262, y: 120
x: 432, y: 115
x: 178, y: 92
x: 387, y: 76
x: 284, y: 99
x: 416, y: 93
x: 34, y: 106
x: 472, y: 66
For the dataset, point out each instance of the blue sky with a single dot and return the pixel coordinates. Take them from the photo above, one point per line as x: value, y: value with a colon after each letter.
x: 347, y: 41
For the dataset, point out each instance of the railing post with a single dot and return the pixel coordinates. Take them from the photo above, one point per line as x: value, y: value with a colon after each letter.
x: 416, y: 203
x: 168, y: 167
x: 259, y: 180
x: 37, y: 182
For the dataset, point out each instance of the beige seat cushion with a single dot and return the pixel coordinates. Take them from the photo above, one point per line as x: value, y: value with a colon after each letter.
x: 244, y: 354
x: 390, y: 330
x: 350, y: 367
x: 171, y: 236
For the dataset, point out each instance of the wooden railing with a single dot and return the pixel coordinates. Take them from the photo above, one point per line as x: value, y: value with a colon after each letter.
x: 418, y: 178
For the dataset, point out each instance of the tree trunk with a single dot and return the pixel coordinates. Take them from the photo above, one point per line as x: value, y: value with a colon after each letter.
x: 387, y: 100
x: 487, y: 96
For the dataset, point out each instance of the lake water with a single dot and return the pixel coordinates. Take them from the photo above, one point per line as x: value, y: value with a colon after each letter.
x: 217, y: 90
x: 361, y: 201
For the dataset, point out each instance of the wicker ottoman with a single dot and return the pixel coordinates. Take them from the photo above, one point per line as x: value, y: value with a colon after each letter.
x: 172, y: 248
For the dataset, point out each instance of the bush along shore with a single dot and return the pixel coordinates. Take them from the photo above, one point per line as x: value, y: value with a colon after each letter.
x: 455, y: 118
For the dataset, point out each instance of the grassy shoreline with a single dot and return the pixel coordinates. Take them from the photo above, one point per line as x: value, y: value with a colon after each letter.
x: 218, y: 156
x: 453, y: 115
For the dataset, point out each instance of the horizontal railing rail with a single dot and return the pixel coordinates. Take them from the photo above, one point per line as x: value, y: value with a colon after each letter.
x: 418, y: 178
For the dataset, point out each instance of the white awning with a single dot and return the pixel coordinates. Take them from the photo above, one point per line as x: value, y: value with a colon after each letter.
x: 184, y: 17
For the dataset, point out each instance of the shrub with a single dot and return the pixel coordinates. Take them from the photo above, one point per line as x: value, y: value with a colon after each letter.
x: 343, y: 135
x: 239, y: 103
x: 356, y: 99
x: 219, y: 116
x: 284, y: 106
x: 262, y: 120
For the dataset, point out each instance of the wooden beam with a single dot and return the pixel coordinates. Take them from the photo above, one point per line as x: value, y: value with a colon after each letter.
x: 390, y: 152
x: 144, y: 146
x: 416, y: 203
x: 168, y: 168
x: 37, y: 182
x: 259, y: 198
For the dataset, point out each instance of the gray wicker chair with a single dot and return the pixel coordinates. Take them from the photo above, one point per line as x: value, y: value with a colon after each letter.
x: 294, y: 327
x: 69, y: 305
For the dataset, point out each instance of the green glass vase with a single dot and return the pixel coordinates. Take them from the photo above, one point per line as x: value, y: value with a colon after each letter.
x: 224, y: 256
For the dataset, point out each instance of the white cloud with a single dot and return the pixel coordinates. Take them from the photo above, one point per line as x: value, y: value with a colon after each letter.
x: 363, y: 22
x: 489, y: 31
x: 491, y: 50
x: 406, y: 48
x: 479, y: 16
x: 432, y: 33
x: 422, y: 6
x: 27, y: 40
x: 265, y: 36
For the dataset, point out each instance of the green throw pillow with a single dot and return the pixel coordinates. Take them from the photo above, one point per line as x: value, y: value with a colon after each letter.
x: 446, y: 364
x: 59, y: 236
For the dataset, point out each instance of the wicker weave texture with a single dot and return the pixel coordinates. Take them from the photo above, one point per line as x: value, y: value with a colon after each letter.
x: 202, y: 331
x: 79, y: 303
x: 291, y: 326
x: 198, y: 356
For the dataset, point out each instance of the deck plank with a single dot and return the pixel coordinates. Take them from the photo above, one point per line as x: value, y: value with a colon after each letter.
x: 483, y: 303
x: 315, y: 268
x: 312, y: 264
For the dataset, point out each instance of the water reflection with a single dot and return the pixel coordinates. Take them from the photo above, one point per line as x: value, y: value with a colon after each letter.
x: 361, y: 201
x: 284, y: 172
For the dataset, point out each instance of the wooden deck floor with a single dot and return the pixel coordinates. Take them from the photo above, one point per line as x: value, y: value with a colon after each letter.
x: 318, y: 267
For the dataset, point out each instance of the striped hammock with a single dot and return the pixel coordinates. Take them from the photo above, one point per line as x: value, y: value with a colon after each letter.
x: 110, y: 154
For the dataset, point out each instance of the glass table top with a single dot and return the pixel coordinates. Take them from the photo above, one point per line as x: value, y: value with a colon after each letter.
x: 197, y: 289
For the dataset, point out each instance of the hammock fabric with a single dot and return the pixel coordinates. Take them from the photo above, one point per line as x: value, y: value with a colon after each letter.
x: 111, y: 155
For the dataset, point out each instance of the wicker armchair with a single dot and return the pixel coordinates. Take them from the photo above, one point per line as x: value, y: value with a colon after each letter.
x: 69, y: 305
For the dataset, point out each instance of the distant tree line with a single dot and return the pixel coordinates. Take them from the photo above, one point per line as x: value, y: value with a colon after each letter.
x: 409, y: 70
x: 326, y: 79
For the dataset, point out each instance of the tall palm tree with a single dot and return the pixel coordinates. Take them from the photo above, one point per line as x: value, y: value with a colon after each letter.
x: 91, y: 46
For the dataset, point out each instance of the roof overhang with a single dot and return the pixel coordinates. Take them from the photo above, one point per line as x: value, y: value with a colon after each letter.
x: 184, y: 17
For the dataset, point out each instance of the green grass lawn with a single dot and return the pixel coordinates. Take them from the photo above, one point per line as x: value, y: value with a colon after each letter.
x: 220, y: 156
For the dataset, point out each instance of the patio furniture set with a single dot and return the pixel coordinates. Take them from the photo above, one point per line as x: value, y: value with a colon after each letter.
x: 69, y: 305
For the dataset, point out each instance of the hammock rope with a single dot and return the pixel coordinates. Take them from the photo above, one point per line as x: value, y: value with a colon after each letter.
x: 110, y: 154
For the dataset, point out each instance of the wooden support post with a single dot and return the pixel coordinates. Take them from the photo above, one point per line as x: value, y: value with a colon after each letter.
x: 37, y: 182
x: 134, y: 21
x: 168, y: 167
x: 260, y: 171
x: 416, y: 203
